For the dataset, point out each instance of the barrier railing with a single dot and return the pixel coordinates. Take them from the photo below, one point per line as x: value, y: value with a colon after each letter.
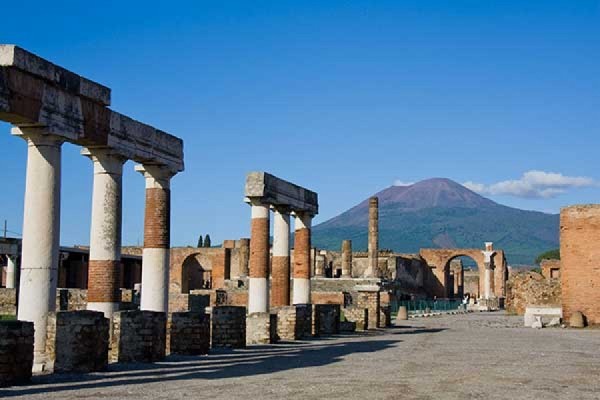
x: 423, y: 306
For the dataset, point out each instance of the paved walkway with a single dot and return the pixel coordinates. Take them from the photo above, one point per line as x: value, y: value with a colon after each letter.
x: 473, y: 356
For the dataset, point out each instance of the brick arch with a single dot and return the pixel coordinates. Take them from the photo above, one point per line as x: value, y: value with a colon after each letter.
x: 195, y: 274
x: 438, y: 261
x: 181, y: 255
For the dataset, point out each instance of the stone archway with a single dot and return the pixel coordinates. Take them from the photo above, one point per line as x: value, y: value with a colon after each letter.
x: 439, y: 260
x: 194, y: 275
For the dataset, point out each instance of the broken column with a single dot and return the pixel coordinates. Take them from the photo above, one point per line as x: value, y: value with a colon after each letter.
x: 373, y: 247
x: 157, y: 225
x: 11, y: 271
x: 41, y: 230
x: 258, y: 282
x: 105, y: 238
x: 302, y: 248
x: 489, y: 271
x: 347, y: 259
x: 280, y: 264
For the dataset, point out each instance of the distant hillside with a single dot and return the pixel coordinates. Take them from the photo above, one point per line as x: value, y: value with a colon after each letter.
x: 442, y: 213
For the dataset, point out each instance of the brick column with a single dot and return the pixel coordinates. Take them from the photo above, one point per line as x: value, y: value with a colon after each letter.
x: 41, y: 230
x: 347, y: 259
x: 157, y: 227
x: 373, y: 250
x: 280, y: 270
x: 258, y: 282
x: 104, y: 268
x: 302, y: 249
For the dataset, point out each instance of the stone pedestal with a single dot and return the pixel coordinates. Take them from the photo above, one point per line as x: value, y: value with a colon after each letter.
x: 228, y: 327
x: 188, y: 333
x: 138, y: 336
x: 368, y: 297
x: 358, y: 315
x: 16, y: 352
x: 326, y: 319
x: 258, y: 328
x: 78, y: 341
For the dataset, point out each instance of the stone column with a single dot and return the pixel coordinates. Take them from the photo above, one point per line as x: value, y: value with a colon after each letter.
x: 157, y: 237
x: 258, y: 281
x: 280, y: 264
x: 373, y: 250
x: 11, y: 271
x: 347, y: 259
x: 244, y: 256
x: 41, y: 233
x: 488, y: 277
x: 302, y: 248
x: 104, y: 268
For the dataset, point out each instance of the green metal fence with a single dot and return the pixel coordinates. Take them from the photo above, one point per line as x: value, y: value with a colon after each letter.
x: 422, y: 306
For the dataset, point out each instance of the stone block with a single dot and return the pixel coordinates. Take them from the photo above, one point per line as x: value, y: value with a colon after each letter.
x: 368, y: 297
x: 258, y: 328
x: 326, y: 319
x: 16, y: 352
x: 402, y: 314
x: 188, y: 333
x: 8, y: 301
x: 304, y: 321
x: 577, y: 320
x: 228, y: 326
x: 385, y: 316
x: 77, y: 341
x: 138, y: 336
x: 357, y: 315
x: 546, y: 315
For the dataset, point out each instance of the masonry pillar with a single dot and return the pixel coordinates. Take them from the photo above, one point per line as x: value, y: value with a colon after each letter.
x: 11, y: 271
x: 302, y: 248
x: 258, y: 281
x: 319, y: 265
x: 280, y: 268
x: 347, y: 259
x: 157, y: 236
x: 104, y: 268
x: 488, y: 279
x: 244, y: 256
x: 373, y: 249
x: 41, y: 230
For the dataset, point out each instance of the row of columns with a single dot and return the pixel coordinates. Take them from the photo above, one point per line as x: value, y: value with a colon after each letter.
x: 41, y: 232
x: 258, y: 282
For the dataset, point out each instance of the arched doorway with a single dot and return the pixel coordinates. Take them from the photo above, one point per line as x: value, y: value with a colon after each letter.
x: 461, y: 277
x: 194, y: 275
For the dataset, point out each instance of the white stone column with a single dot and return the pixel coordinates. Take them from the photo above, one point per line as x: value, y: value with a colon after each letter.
x: 41, y: 233
x: 105, y: 234
x: 488, y: 274
x: 11, y: 271
x: 302, y: 249
x: 157, y: 225
x: 258, y: 280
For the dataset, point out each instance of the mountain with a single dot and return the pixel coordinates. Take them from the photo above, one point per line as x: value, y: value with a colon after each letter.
x: 441, y: 213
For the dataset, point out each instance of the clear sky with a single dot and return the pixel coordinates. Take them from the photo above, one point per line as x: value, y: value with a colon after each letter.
x: 343, y: 97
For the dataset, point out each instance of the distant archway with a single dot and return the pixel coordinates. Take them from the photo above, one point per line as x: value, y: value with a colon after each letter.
x: 194, y: 275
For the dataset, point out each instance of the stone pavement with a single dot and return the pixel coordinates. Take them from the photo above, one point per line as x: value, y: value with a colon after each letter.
x: 473, y: 356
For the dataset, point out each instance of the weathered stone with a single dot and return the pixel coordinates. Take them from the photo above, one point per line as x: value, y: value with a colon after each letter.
x: 16, y: 352
x: 326, y: 319
x: 138, y: 336
x: 357, y: 315
x: 228, y: 327
x: 577, y: 320
x: 402, y: 314
x: 537, y: 324
x: 188, y: 333
x: 258, y: 328
x: 530, y: 288
x: 278, y: 192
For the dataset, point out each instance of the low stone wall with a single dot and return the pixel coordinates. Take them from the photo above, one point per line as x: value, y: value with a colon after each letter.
x: 358, y: 315
x: 16, y: 352
x: 8, y: 301
x: 258, y: 328
x: 71, y: 299
x: 77, y: 341
x: 326, y: 319
x: 188, y: 333
x: 138, y: 336
x: 228, y: 326
x: 530, y: 288
x: 369, y: 299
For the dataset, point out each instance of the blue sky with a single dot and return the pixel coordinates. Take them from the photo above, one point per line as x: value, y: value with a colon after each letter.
x: 342, y: 97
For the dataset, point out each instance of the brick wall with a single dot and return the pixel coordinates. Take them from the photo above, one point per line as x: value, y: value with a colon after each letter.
x: 16, y: 352
x: 580, y: 261
x: 77, y: 341
x: 188, y: 333
x: 228, y: 326
x: 138, y: 336
x: 550, y: 269
x: 370, y: 301
x: 531, y: 289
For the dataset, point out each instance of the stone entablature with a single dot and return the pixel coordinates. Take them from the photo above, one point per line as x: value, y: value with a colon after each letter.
x: 278, y: 192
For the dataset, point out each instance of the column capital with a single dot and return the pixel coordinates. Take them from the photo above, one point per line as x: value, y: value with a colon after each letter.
x: 281, y: 209
x: 106, y: 160
x: 37, y: 136
x: 157, y: 176
x: 487, y: 256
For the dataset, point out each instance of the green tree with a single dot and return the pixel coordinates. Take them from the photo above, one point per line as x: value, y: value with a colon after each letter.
x: 207, y: 240
x: 200, y: 241
x: 548, y: 255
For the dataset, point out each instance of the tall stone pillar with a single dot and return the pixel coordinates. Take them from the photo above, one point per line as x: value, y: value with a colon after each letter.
x: 41, y: 233
x: 157, y: 237
x: 244, y: 256
x: 11, y: 271
x: 104, y: 269
x: 347, y: 259
x: 258, y: 280
x: 373, y: 249
x: 302, y: 248
x: 280, y: 267
x: 488, y: 278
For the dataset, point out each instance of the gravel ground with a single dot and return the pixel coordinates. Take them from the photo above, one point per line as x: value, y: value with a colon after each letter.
x: 474, y: 356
